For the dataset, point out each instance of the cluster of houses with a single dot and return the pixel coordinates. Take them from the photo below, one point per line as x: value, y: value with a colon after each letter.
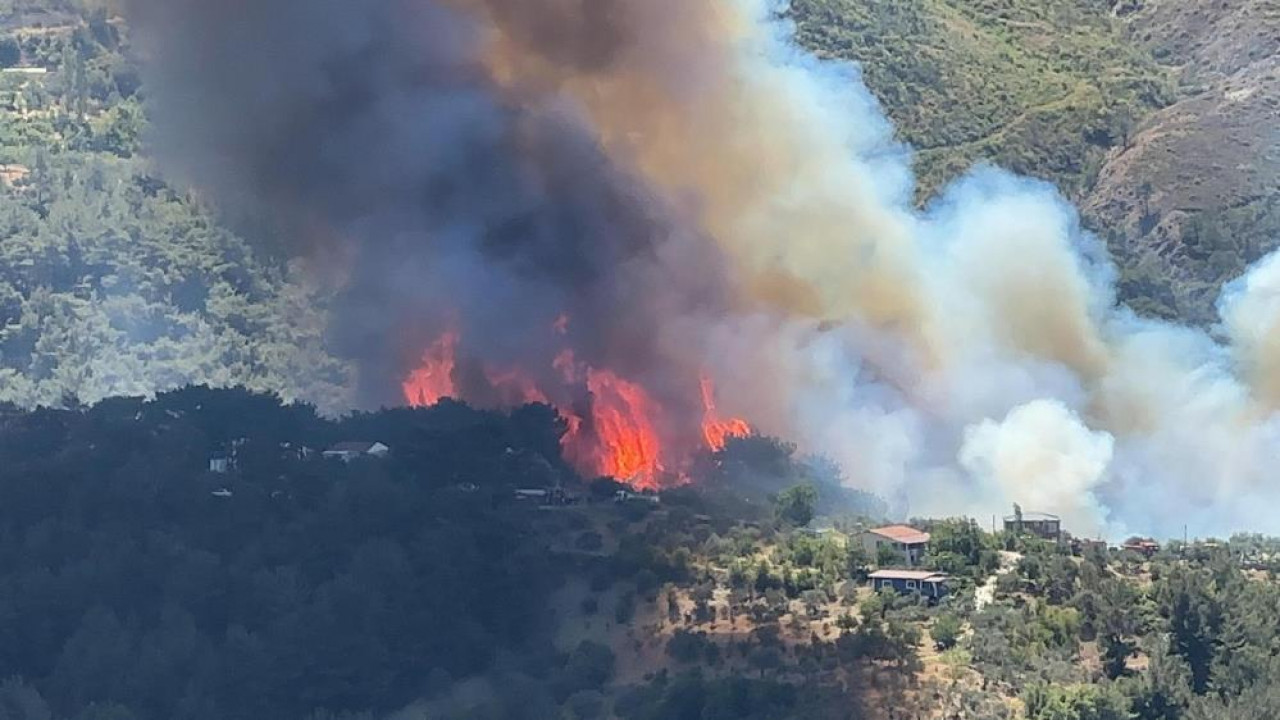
x: 546, y: 497
x: 903, y: 544
x: 908, y: 545
x: 559, y: 497
x: 227, y: 460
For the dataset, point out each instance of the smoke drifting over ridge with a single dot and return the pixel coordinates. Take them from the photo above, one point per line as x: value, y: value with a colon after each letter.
x: 698, y: 196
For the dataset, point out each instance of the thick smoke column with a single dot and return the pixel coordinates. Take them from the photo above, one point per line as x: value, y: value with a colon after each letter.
x: 699, y: 196
x: 373, y: 135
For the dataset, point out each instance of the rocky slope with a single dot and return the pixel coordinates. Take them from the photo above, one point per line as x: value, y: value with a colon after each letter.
x: 1196, y: 194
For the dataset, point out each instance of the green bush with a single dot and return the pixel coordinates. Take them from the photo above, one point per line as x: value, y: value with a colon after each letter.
x: 946, y: 631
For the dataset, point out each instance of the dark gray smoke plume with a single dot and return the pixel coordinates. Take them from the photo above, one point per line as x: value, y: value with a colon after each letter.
x: 374, y: 134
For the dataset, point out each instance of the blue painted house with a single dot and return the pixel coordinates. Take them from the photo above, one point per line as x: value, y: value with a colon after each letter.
x: 923, y: 582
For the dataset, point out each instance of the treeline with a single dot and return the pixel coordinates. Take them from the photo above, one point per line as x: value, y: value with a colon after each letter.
x: 141, y: 581
x: 1190, y: 634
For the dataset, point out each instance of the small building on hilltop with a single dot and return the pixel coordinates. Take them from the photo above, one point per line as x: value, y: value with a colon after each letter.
x: 623, y: 496
x: 1041, y: 525
x: 1081, y: 546
x: 220, y: 463
x: 907, y: 541
x: 907, y: 582
x: 227, y: 459
x: 546, y: 497
x: 348, y: 451
x: 1145, y: 547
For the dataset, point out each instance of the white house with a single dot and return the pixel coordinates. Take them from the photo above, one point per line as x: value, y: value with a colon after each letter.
x: 348, y: 451
x: 627, y: 496
x: 220, y: 464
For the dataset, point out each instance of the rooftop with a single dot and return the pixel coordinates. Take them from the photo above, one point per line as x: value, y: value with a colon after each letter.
x: 1033, y: 517
x: 902, y: 533
x: 920, y: 575
x: 353, y: 447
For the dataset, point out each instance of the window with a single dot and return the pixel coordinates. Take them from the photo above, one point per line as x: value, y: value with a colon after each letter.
x: 911, y: 584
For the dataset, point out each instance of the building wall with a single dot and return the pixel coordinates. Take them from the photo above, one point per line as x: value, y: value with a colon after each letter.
x: 912, y: 554
x: 905, y: 587
x: 1047, y: 529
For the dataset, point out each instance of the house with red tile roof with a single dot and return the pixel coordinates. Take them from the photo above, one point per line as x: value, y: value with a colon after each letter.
x: 907, y: 541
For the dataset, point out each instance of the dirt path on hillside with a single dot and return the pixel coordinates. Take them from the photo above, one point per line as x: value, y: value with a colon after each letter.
x: 986, y: 594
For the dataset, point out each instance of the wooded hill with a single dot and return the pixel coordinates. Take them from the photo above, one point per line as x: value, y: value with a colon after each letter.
x: 141, y: 581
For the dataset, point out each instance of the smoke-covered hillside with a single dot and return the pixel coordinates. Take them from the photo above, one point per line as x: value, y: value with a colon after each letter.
x: 1157, y: 117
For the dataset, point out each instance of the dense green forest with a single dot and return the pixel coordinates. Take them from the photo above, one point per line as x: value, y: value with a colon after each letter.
x: 136, y: 582
x: 138, y: 585
x: 112, y: 282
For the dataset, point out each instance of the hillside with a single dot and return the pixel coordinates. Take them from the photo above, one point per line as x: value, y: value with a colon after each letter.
x: 139, y: 581
x: 1197, y: 191
x: 1157, y: 118
x: 111, y: 282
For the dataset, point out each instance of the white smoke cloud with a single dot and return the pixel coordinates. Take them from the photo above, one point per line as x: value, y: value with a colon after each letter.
x: 1042, y: 454
x: 1250, y: 309
x: 1013, y: 376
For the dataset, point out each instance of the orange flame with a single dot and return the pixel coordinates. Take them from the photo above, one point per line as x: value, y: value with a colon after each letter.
x: 616, y: 435
x: 715, y: 431
x: 433, y: 380
x: 622, y: 421
x: 622, y: 442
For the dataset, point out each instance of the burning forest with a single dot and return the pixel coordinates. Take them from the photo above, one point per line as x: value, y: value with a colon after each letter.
x: 664, y: 220
x: 615, y: 427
